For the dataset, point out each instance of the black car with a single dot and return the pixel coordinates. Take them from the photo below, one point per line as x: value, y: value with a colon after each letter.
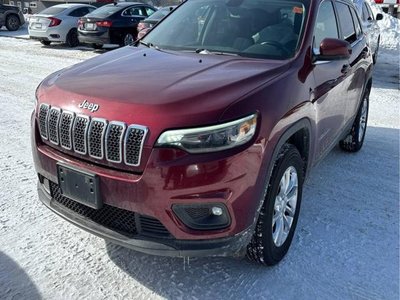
x: 146, y: 24
x: 11, y: 17
x: 113, y: 24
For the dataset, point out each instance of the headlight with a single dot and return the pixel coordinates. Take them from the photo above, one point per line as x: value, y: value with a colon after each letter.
x: 211, y: 138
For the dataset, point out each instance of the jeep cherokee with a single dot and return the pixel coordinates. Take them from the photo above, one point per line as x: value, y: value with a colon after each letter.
x: 197, y: 140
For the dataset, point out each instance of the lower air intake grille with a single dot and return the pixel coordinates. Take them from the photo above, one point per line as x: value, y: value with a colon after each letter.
x: 123, y: 221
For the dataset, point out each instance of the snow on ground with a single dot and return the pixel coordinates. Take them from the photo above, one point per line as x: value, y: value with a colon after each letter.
x: 346, y: 245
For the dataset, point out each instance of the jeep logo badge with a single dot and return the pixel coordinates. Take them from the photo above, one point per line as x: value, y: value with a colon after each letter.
x: 89, y: 106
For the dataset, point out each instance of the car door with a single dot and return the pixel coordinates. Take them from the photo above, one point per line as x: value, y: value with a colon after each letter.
x: 351, y: 32
x: 331, y: 84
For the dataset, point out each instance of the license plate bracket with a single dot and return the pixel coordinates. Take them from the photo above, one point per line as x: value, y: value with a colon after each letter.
x: 80, y: 186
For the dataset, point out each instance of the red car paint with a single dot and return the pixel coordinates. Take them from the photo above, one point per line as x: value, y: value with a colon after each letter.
x: 166, y: 90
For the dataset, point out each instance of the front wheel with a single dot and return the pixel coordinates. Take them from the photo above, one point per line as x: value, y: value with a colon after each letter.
x: 278, y: 216
x: 355, y: 139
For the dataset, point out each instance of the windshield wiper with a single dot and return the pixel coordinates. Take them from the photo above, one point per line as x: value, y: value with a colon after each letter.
x: 206, y: 51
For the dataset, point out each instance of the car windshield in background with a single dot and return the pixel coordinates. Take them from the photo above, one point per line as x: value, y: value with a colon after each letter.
x: 53, y: 10
x: 262, y: 29
x: 104, y: 11
x: 159, y: 14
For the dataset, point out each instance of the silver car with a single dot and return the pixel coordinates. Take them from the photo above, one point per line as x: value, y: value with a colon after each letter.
x: 58, y: 23
x: 370, y: 25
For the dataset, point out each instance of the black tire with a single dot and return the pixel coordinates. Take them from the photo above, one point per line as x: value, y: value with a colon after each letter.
x: 72, y: 38
x: 12, y: 23
x: 262, y: 247
x: 355, y: 139
x: 97, y: 46
x: 46, y: 43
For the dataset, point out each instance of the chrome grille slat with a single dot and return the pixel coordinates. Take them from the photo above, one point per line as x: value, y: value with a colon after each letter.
x: 79, y: 135
x: 43, y: 114
x: 53, y: 122
x: 133, y: 145
x: 112, y: 141
x: 66, y: 122
x: 97, y: 130
x: 114, y: 138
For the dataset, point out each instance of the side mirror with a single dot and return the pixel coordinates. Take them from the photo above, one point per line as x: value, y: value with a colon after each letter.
x: 379, y: 16
x: 334, y: 49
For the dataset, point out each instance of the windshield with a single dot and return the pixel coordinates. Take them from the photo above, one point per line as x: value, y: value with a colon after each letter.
x: 159, y: 14
x: 262, y: 29
x: 104, y: 11
x: 52, y: 10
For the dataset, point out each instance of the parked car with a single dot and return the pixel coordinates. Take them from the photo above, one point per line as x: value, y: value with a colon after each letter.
x: 145, y: 25
x: 370, y: 25
x: 113, y: 24
x: 210, y: 158
x: 11, y: 17
x: 58, y: 23
x: 390, y: 6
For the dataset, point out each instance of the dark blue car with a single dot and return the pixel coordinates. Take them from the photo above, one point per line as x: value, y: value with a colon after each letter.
x: 113, y: 24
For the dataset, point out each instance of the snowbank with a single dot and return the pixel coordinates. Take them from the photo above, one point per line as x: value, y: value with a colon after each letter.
x: 390, y: 28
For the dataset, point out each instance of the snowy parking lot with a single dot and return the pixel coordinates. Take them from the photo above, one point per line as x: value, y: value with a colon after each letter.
x: 346, y: 245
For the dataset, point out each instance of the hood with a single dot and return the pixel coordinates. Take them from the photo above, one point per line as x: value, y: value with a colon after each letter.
x: 158, y: 89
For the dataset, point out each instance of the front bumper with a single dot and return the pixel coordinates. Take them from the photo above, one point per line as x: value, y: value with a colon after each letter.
x: 169, y: 178
x: 232, y: 246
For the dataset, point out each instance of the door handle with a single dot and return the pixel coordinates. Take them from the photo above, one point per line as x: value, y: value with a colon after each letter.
x: 345, y: 69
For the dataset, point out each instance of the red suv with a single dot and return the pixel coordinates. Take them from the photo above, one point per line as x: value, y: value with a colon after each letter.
x: 197, y: 140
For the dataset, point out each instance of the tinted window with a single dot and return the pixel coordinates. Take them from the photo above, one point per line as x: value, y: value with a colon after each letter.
x: 159, y: 14
x: 79, y: 12
x: 52, y: 10
x: 149, y: 11
x: 105, y: 11
x: 346, y: 22
x: 263, y: 29
x: 357, y: 24
x: 133, y: 11
x: 326, y: 25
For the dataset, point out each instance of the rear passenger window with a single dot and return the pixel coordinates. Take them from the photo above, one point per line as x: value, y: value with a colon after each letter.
x: 346, y: 22
x: 357, y: 24
x: 326, y: 25
x: 79, y: 12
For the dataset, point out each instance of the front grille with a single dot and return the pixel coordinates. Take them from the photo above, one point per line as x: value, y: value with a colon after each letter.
x: 43, y: 113
x: 54, y: 118
x: 79, y: 134
x: 123, y: 221
x: 66, y: 130
x: 98, y: 138
x: 114, y: 141
x: 134, y: 144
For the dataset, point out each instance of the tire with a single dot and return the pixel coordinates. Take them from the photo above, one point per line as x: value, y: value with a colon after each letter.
x: 72, y: 38
x: 269, y: 245
x: 128, y: 40
x: 355, y: 139
x: 12, y: 23
x: 97, y: 46
x: 46, y: 43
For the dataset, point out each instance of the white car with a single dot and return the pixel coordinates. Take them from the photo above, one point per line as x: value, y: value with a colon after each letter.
x: 58, y: 23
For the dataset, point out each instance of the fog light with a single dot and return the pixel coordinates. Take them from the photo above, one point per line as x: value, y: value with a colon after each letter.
x: 216, y: 211
x: 204, y: 216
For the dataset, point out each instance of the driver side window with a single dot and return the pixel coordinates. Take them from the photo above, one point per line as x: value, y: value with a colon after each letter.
x: 326, y: 25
